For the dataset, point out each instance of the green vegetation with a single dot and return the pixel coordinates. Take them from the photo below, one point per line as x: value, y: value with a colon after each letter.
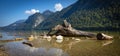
x: 91, y: 16
x: 84, y: 14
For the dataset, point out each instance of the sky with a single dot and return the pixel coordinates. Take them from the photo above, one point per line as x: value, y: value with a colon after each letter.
x: 13, y: 10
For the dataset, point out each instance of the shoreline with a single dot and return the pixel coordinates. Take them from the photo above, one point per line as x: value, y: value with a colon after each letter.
x: 3, y: 52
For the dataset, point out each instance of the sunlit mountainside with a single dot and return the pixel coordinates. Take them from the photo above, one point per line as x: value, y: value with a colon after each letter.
x: 83, y: 14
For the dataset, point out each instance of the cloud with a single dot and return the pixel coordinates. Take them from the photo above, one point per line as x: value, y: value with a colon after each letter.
x: 58, y: 7
x: 32, y: 11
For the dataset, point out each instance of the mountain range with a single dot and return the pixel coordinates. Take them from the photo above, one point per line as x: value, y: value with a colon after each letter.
x: 15, y: 25
x: 83, y: 14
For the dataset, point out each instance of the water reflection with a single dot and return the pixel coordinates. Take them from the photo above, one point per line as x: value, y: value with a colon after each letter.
x: 41, y: 47
x: 59, y: 41
x: 69, y: 46
x: 108, y: 42
x: 23, y: 50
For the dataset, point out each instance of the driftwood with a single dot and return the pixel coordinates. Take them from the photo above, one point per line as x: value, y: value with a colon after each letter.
x: 27, y: 43
x: 66, y: 30
x: 102, y: 36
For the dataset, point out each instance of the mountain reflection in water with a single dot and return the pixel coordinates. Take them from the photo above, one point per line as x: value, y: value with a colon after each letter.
x: 18, y: 49
x: 66, y: 47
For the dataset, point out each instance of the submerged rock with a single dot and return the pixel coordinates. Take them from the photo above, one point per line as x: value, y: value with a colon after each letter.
x: 0, y: 35
x: 3, y: 52
x: 27, y: 43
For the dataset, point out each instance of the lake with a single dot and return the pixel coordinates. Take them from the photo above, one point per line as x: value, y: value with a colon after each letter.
x: 69, y: 46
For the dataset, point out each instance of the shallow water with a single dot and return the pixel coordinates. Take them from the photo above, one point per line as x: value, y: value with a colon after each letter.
x: 66, y: 47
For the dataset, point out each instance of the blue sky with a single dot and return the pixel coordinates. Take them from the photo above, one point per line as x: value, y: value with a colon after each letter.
x: 13, y: 10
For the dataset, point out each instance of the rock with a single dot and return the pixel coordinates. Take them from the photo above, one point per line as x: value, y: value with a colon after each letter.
x: 49, y: 39
x: 18, y: 39
x: 77, y: 39
x: 59, y: 37
x: 0, y: 35
x: 7, y: 40
x: 54, y: 36
x: 102, y: 36
x: 46, y: 36
x: 73, y: 37
x: 3, y: 51
x: 30, y: 38
x: 11, y: 40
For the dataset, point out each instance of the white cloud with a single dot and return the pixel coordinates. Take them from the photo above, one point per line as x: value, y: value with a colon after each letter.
x: 32, y: 11
x: 58, y: 7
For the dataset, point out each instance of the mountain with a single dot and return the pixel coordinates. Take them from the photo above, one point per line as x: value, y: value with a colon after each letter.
x: 34, y: 20
x: 28, y: 24
x: 83, y: 14
x: 15, y: 24
x: 47, y: 13
x: 87, y: 14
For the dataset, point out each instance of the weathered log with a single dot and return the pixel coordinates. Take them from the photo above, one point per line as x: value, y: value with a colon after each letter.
x: 102, y: 36
x: 66, y: 30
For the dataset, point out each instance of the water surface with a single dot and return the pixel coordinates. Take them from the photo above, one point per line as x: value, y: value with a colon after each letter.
x: 66, y: 47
